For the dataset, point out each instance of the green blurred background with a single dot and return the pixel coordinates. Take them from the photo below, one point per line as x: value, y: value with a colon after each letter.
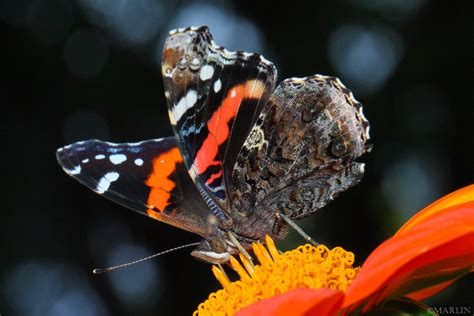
x: 74, y: 70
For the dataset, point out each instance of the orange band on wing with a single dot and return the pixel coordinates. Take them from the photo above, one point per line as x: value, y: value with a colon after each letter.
x: 213, y: 177
x: 218, y: 125
x: 159, y: 182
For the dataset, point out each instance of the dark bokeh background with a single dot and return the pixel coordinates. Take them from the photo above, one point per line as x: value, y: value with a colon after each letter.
x: 73, y: 70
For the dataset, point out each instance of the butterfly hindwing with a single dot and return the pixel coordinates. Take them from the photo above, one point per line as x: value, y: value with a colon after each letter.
x: 148, y: 177
x: 300, y: 154
x: 214, y: 97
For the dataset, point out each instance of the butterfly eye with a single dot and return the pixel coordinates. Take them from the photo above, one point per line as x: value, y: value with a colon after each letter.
x: 218, y: 245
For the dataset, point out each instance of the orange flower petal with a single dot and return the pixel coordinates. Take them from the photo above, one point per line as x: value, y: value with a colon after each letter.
x: 460, y: 196
x: 431, y: 268
x: 405, y: 253
x: 297, y: 302
x: 425, y: 293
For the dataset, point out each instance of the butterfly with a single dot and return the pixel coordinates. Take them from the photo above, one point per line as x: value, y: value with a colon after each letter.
x: 243, y: 151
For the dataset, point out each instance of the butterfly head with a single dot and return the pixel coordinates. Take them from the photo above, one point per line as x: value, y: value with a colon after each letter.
x: 215, y: 250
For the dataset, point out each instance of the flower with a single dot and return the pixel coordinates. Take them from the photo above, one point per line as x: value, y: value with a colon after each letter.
x: 307, y: 266
x: 429, y: 252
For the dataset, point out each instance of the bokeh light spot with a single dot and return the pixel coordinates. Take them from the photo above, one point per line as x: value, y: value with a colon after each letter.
x: 138, y: 284
x: 411, y: 183
x: 46, y: 288
x: 364, y: 58
x: 132, y: 21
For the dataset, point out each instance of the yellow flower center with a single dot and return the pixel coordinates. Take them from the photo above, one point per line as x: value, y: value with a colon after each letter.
x: 307, y: 266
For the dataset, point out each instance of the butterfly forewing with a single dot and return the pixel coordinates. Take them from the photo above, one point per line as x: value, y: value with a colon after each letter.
x: 148, y: 177
x: 214, y: 97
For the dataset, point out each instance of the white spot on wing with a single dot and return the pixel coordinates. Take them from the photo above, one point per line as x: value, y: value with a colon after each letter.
x: 233, y: 93
x: 184, y: 104
x: 138, y: 162
x: 191, y: 99
x: 75, y: 170
x: 217, y: 86
x: 117, y: 159
x: 99, y: 157
x: 105, y: 181
x: 85, y: 160
x: 172, y: 119
x: 206, y: 72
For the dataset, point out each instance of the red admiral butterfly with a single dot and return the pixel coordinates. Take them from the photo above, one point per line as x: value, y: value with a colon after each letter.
x: 243, y: 152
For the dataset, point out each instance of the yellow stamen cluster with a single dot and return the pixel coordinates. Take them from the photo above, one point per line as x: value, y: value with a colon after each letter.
x: 304, y: 267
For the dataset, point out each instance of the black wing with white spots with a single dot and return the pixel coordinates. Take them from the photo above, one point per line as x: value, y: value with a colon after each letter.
x: 148, y: 177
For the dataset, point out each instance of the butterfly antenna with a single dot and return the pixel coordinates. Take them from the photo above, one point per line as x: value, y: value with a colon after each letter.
x: 298, y: 229
x: 102, y: 270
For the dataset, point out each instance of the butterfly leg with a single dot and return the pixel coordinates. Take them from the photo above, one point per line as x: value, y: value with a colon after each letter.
x: 240, y: 247
x: 297, y: 228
